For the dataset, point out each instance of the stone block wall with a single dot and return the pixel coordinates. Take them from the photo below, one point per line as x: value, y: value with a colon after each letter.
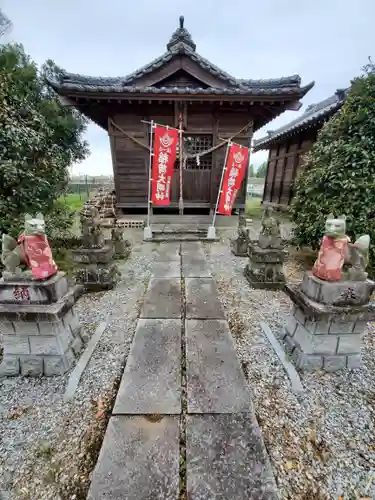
x: 330, y: 343
x: 35, y: 348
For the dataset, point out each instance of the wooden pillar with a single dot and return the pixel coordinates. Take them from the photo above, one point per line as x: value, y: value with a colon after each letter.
x: 214, y: 168
x: 113, y: 156
x: 296, y: 162
x: 274, y: 173
x: 287, y: 147
x: 266, y: 176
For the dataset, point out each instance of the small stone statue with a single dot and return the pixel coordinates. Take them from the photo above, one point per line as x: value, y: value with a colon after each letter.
x: 239, y: 245
x: 270, y: 236
x: 31, y: 250
x: 266, y: 256
x: 90, y: 226
x: 336, y: 251
x: 243, y: 232
x: 122, y: 247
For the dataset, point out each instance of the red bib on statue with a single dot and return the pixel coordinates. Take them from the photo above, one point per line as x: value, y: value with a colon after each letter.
x: 38, y: 255
x: 331, y: 258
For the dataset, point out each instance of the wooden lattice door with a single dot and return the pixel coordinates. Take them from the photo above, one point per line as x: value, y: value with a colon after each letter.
x: 197, y: 175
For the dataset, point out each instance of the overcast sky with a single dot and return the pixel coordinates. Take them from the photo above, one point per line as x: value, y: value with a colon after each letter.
x: 323, y: 40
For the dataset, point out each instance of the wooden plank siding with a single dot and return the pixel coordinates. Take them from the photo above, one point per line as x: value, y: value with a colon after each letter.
x: 200, y: 183
x: 283, y: 164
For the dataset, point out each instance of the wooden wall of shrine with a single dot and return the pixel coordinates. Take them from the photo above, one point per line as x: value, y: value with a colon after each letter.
x: 283, y: 165
x: 206, y: 124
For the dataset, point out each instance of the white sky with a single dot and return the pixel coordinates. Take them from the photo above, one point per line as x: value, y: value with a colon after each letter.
x: 325, y: 40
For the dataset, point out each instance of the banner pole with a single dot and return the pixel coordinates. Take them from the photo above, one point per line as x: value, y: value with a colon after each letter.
x: 147, y: 235
x: 211, y: 230
x: 181, y: 147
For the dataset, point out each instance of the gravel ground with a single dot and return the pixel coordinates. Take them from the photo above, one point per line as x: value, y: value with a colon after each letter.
x: 47, y: 446
x: 322, y: 445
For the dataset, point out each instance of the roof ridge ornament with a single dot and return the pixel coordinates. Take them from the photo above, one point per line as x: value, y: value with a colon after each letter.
x: 181, y: 34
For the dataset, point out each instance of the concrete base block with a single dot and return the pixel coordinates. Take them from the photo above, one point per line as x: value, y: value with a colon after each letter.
x: 337, y: 293
x: 147, y: 233
x: 39, y: 339
x: 211, y: 233
x: 97, y: 277
x: 21, y: 291
x: 326, y: 335
x: 264, y: 280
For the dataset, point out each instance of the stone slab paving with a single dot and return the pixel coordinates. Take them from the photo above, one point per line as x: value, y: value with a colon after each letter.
x: 139, y: 460
x: 202, y: 299
x: 166, y: 252
x: 226, y: 459
x: 215, y: 380
x: 192, y: 249
x: 162, y: 299
x: 151, y: 383
x: 195, y: 266
x: 225, y: 454
x: 166, y: 269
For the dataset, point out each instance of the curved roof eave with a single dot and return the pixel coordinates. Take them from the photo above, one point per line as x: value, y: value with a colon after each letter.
x: 314, y: 115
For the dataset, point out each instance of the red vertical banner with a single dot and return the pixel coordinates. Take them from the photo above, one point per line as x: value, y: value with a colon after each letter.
x: 165, y: 148
x: 235, y: 169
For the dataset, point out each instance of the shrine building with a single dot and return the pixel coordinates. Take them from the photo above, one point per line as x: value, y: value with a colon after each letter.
x: 214, y: 106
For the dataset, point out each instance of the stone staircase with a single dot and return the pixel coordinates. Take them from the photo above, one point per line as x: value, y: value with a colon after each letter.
x: 183, y: 425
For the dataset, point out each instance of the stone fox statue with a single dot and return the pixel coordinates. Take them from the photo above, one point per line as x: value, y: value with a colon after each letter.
x: 31, y: 249
x: 337, y: 251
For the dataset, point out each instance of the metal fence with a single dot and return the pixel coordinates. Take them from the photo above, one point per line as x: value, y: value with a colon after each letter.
x: 84, y: 185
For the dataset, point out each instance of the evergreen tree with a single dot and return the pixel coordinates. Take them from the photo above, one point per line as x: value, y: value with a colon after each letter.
x: 262, y: 170
x: 338, y: 174
x: 39, y: 140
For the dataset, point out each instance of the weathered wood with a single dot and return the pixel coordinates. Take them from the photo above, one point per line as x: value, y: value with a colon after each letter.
x: 200, y: 182
x: 284, y: 162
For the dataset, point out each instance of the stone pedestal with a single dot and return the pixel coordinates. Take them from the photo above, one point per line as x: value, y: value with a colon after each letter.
x: 41, y: 332
x: 326, y: 326
x: 96, y: 271
x: 265, y: 267
x: 239, y: 246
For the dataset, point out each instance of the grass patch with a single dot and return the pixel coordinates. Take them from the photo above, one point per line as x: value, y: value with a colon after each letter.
x: 253, y: 207
x: 75, y: 201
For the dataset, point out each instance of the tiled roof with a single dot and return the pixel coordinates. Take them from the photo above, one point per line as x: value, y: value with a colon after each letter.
x: 314, y: 115
x: 181, y: 43
x: 243, y: 90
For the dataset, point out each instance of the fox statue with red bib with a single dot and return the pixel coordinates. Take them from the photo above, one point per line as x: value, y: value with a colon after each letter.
x: 30, y: 250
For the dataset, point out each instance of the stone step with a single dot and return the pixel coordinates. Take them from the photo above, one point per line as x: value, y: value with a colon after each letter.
x: 215, y: 380
x: 162, y: 299
x: 139, y: 460
x: 151, y: 383
x: 202, y: 299
x: 165, y: 237
x: 226, y: 458
x: 181, y: 229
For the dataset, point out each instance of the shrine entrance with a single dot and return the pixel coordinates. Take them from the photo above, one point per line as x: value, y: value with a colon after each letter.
x: 196, y: 174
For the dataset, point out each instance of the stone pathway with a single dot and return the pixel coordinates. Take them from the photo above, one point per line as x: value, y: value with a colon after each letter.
x: 183, y: 399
